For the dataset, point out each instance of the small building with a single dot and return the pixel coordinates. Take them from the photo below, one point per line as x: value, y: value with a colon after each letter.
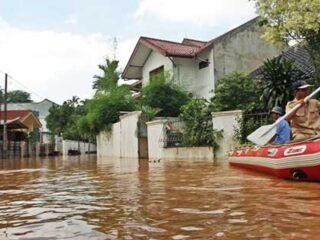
x: 41, y: 109
x: 198, y: 65
x: 20, y: 123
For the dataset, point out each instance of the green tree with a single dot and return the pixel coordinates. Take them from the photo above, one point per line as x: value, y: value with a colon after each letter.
x: 296, y: 20
x: 104, y: 110
x: 17, y: 96
x: 236, y: 91
x: 59, y: 118
x: 86, y: 131
x: 109, y: 78
x: 162, y: 93
x: 276, y: 80
x: 63, y: 120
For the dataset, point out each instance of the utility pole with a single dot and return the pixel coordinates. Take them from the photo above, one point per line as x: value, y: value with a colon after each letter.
x: 5, y: 136
x: 1, y: 97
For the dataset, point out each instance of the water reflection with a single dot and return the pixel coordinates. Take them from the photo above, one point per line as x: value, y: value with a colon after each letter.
x: 86, y: 198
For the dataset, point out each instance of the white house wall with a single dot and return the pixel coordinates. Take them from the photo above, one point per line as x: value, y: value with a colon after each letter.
x: 244, y: 51
x: 204, y: 82
x: 186, y: 72
x: 154, y: 61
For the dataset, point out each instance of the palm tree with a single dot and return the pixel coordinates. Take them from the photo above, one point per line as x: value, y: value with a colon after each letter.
x: 278, y: 75
x: 109, y: 78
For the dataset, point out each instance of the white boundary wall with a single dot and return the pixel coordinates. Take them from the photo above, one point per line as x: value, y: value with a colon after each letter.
x: 122, y: 141
x: 83, y: 147
x: 108, y: 144
x: 227, y: 121
x: 156, y: 131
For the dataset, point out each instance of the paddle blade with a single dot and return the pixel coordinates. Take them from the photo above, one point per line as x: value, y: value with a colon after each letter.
x: 262, y: 135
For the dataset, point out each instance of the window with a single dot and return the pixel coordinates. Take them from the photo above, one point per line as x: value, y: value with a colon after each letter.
x: 204, y: 64
x: 156, y: 72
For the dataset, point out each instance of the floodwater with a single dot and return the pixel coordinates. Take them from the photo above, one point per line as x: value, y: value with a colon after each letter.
x: 86, y: 198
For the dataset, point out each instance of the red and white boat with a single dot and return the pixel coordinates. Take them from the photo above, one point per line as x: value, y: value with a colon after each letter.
x: 298, y: 161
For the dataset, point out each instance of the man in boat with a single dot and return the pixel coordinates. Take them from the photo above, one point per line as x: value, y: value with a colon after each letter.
x: 305, y: 121
x: 283, y: 131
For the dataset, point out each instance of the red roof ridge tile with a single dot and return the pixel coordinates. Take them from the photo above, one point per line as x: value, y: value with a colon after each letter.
x: 194, y: 40
x: 163, y: 40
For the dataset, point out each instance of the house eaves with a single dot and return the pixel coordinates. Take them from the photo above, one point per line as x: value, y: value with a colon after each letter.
x: 146, y: 45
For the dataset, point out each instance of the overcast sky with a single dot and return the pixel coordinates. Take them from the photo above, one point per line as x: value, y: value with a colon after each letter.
x: 51, y: 48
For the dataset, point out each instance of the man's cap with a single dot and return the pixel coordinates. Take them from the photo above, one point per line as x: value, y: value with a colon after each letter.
x: 277, y: 110
x: 300, y: 84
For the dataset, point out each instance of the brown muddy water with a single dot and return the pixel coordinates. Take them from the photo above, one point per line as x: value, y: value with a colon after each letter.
x: 85, y: 198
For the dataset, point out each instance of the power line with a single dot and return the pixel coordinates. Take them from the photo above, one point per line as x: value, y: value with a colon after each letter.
x: 27, y: 88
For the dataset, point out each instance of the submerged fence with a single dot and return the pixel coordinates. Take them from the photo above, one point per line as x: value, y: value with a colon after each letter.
x: 25, y: 149
x: 173, y: 136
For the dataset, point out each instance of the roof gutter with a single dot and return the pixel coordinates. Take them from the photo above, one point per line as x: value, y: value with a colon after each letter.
x: 171, y: 59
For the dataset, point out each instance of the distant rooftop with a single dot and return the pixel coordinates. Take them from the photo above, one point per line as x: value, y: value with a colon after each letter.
x: 300, y: 58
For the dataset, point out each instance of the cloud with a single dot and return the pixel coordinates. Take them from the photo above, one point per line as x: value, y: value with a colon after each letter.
x: 71, y: 20
x: 201, y: 12
x: 54, y: 65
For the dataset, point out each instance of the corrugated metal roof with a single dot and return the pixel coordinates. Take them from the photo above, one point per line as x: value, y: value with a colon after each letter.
x: 300, y: 58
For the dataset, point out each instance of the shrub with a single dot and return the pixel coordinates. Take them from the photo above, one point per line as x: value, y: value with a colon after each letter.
x: 162, y: 93
x: 236, y: 91
x: 198, y: 124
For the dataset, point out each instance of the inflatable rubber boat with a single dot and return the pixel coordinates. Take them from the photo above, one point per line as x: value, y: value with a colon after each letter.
x: 297, y: 161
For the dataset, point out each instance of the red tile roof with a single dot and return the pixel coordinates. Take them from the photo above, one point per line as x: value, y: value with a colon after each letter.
x: 188, y: 47
x: 13, y: 114
x: 169, y: 48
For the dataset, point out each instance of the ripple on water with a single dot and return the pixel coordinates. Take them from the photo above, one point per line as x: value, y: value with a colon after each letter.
x: 209, y: 189
x: 197, y: 211
x: 237, y: 214
x: 146, y: 228
x: 237, y: 221
x: 191, y: 228
x: 180, y: 237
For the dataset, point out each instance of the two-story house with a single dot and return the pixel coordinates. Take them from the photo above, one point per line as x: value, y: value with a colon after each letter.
x: 198, y: 65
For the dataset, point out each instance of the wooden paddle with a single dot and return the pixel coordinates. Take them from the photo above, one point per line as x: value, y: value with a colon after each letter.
x: 265, y: 133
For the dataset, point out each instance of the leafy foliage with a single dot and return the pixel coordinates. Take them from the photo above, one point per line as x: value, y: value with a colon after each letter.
x: 289, y: 20
x: 296, y: 20
x: 104, y: 110
x: 248, y: 123
x: 162, y: 93
x: 150, y: 112
x: 16, y: 96
x: 109, y: 78
x: 236, y: 91
x: 62, y: 120
x: 277, y: 77
x: 198, y: 120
